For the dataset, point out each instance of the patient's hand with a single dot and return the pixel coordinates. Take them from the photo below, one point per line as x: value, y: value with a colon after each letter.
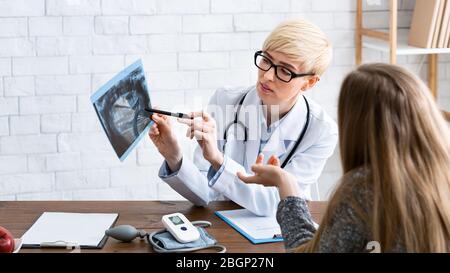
x: 271, y: 175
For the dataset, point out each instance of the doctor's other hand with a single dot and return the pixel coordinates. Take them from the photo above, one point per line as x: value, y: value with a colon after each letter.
x: 203, y: 127
x: 271, y: 175
x: 165, y: 141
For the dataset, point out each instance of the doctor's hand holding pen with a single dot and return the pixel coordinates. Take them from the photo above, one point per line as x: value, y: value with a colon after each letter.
x: 271, y: 175
x: 202, y: 126
x: 163, y: 137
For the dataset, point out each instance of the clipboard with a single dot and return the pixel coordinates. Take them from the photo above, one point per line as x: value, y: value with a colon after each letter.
x: 60, y: 229
x: 256, y: 229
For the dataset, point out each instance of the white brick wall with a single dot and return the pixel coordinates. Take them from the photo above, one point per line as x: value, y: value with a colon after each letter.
x: 55, y: 53
x: 24, y: 125
x: 60, y: 46
x: 29, y: 144
x: 73, y: 7
x: 22, y: 8
x: 129, y: 7
x: 4, y: 126
x: 55, y: 123
x: 111, y: 25
x: 207, y: 23
x: 40, y: 66
x: 5, y: 66
x: 47, y: 104
x: 95, y: 64
x: 45, y: 26
x: 16, y: 47
x: 18, y: 86
x: 13, y: 27
x: 9, y: 106
x: 78, y: 25
x: 155, y: 24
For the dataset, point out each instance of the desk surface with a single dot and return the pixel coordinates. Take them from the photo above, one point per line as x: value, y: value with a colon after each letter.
x: 18, y: 216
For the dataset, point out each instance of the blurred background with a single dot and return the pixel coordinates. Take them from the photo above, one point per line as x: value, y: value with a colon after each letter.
x: 55, y: 53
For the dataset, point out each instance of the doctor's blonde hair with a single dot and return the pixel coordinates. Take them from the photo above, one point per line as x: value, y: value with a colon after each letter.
x: 390, y: 125
x: 301, y: 40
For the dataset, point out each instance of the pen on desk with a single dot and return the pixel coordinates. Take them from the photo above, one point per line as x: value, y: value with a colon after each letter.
x: 59, y: 243
x: 178, y: 115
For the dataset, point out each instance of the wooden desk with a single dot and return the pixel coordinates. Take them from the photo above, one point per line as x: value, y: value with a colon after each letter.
x: 18, y: 216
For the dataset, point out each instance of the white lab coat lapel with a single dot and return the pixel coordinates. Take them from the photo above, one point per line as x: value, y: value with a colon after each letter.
x: 234, y: 148
x: 288, y: 131
x: 251, y: 104
x: 272, y: 147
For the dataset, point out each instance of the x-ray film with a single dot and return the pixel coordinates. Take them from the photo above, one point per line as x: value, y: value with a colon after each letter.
x: 120, y: 105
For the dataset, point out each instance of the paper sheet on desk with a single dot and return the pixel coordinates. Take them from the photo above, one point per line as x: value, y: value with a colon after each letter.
x: 83, y: 229
x: 257, y: 229
x: 256, y: 226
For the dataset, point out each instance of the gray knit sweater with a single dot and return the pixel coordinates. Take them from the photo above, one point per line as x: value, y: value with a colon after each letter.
x: 346, y: 231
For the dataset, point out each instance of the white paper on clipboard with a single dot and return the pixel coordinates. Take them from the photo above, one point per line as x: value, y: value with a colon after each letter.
x: 60, y: 229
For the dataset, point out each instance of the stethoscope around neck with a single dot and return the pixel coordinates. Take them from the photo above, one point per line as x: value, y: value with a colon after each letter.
x: 237, y: 123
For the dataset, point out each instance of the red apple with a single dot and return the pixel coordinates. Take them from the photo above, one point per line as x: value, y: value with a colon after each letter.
x: 6, y: 241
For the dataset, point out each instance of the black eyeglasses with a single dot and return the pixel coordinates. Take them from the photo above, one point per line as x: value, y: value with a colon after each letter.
x: 282, y: 73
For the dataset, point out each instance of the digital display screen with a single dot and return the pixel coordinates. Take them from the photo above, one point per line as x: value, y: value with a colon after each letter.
x: 176, y: 220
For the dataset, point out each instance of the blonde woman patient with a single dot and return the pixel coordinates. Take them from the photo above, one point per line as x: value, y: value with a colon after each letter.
x: 268, y: 117
x: 395, y: 153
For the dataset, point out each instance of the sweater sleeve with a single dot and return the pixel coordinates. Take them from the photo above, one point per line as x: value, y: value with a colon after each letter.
x: 295, y: 221
x: 345, y: 232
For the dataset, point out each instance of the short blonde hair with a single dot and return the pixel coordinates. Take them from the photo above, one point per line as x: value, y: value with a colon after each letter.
x: 304, y: 41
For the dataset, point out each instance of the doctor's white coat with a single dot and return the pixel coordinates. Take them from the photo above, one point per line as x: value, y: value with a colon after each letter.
x: 306, y: 164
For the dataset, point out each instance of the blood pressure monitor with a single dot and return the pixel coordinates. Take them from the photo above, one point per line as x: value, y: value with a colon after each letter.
x: 180, y: 227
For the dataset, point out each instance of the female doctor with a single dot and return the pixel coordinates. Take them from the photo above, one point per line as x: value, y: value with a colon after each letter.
x: 272, y: 117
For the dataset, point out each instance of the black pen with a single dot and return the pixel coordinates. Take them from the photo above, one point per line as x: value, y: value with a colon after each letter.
x: 178, y: 115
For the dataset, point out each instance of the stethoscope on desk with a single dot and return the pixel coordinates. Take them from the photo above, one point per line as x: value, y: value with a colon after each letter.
x: 237, y: 123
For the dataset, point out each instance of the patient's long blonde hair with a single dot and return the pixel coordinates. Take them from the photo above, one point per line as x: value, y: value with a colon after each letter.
x: 389, y: 124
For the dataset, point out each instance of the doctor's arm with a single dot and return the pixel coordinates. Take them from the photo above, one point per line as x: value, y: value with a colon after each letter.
x: 190, y: 179
x: 176, y: 170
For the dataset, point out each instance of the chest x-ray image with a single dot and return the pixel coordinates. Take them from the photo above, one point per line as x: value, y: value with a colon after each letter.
x: 120, y: 105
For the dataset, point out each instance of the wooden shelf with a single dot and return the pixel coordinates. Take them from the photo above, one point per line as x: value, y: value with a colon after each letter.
x: 402, y: 47
x: 393, y: 44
